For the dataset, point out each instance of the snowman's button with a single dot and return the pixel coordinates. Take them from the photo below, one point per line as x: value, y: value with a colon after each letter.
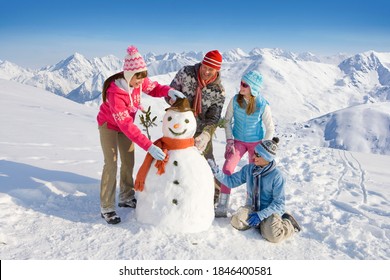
x: 174, y: 201
x: 176, y: 182
x: 175, y: 163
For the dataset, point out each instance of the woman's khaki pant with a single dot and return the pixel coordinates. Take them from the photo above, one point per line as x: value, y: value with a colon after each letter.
x: 111, y: 141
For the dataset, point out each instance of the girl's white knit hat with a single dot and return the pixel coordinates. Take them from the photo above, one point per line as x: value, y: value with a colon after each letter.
x: 134, y: 63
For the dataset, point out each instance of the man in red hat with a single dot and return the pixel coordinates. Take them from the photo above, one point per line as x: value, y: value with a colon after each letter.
x: 201, y: 84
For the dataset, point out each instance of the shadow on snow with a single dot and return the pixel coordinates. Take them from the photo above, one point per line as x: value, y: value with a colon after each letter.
x: 59, y: 193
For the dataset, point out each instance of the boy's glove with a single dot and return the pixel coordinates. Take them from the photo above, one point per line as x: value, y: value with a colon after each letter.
x: 202, y: 140
x: 253, y: 219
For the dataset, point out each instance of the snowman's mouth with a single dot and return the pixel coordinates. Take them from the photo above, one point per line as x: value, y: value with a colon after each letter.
x: 177, y: 133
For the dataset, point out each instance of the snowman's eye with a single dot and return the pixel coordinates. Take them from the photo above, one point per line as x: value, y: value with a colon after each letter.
x: 186, y: 121
x: 169, y: 119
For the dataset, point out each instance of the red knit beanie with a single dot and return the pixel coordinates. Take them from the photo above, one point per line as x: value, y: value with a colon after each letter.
x: 213, y: 59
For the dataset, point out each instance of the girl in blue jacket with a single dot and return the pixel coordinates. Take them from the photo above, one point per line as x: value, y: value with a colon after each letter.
x: 248, y: 120
x: 265, y: 194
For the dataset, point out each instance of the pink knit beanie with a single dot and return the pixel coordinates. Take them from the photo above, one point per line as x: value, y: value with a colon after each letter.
x: 134, y: 63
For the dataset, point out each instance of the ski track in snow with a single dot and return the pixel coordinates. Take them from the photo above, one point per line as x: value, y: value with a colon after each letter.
x: 322, y: 182
x: 357, y: 174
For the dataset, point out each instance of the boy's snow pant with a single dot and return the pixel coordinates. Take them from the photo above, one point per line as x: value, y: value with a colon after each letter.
x: 275, y: 229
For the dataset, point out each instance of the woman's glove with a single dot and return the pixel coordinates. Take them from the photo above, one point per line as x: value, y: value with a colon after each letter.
x: 253, y: 219
x: 156, y: 152
x: 202, y: 140
x: 173, y: 94
x: 229, y: 148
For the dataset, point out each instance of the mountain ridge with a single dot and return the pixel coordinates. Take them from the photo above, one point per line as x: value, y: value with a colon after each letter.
x: 303, y: 86
x: 68, y: 75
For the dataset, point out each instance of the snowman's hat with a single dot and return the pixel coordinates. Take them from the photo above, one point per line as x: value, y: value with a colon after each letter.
x: 180, y: 105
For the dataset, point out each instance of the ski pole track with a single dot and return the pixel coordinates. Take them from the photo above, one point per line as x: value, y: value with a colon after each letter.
x: 362, y: 178
x: 352, y: 171
x: 327, y: 193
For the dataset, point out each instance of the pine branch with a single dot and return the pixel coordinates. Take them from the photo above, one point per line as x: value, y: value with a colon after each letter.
x: 147, y: 122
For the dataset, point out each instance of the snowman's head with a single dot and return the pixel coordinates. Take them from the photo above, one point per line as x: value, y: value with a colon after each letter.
x: 180, y: 125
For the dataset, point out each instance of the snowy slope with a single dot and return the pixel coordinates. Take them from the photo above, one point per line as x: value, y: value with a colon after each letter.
x: 367, y: 127
x: 50, y: 166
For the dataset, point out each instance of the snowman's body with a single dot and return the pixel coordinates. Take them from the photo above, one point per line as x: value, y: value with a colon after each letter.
x: 181, y: 199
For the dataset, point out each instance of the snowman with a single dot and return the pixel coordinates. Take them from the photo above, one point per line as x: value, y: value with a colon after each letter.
x: 177, y: 193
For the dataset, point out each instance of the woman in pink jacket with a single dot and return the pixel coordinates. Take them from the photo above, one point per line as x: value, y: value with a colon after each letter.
x: 121, y: 100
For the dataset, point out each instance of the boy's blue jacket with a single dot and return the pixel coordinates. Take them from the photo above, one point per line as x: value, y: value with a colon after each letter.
x: 270, y: 188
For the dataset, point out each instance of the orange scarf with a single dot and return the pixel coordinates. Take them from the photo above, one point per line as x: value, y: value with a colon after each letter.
x: 166, y: 144
x: 198, y: 94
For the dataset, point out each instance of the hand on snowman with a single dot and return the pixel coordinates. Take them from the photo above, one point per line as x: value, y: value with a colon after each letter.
x: 214, y: 167
x: 202, y: 140
x: 156, y: 152
x: 173, y: 94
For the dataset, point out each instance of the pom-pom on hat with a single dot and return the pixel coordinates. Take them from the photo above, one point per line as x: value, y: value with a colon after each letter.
x: 254, y: 80
x: 267, y: 149
x: 213, y: 59
x: 134, y: 63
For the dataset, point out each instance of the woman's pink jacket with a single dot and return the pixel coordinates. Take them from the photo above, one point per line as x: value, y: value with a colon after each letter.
x: 120, y: 109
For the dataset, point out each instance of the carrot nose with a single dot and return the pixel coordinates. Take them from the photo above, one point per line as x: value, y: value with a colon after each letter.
x: 176, y: 125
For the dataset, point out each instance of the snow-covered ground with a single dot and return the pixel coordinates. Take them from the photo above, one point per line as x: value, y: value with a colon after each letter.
x: 50, y: 167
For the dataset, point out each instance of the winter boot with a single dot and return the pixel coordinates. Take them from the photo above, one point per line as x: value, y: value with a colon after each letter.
x: 132, y: 203
x: 111, y: 217
x: 222, y: 206
x: 288, y: 216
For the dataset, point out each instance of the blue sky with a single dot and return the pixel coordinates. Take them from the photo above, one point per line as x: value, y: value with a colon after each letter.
x: 38, y: 33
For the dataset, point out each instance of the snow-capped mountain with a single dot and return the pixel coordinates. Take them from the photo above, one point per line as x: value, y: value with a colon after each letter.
x: 10, y: 71
x: 300, y: 87
x: 64, y: 76
x: 369, y: 71
x: 170, y: 62
x: 90, y: 89
x: 80, y: 79
x: 308, y: 56
x: 69, y: 78
x: 234, y: 55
